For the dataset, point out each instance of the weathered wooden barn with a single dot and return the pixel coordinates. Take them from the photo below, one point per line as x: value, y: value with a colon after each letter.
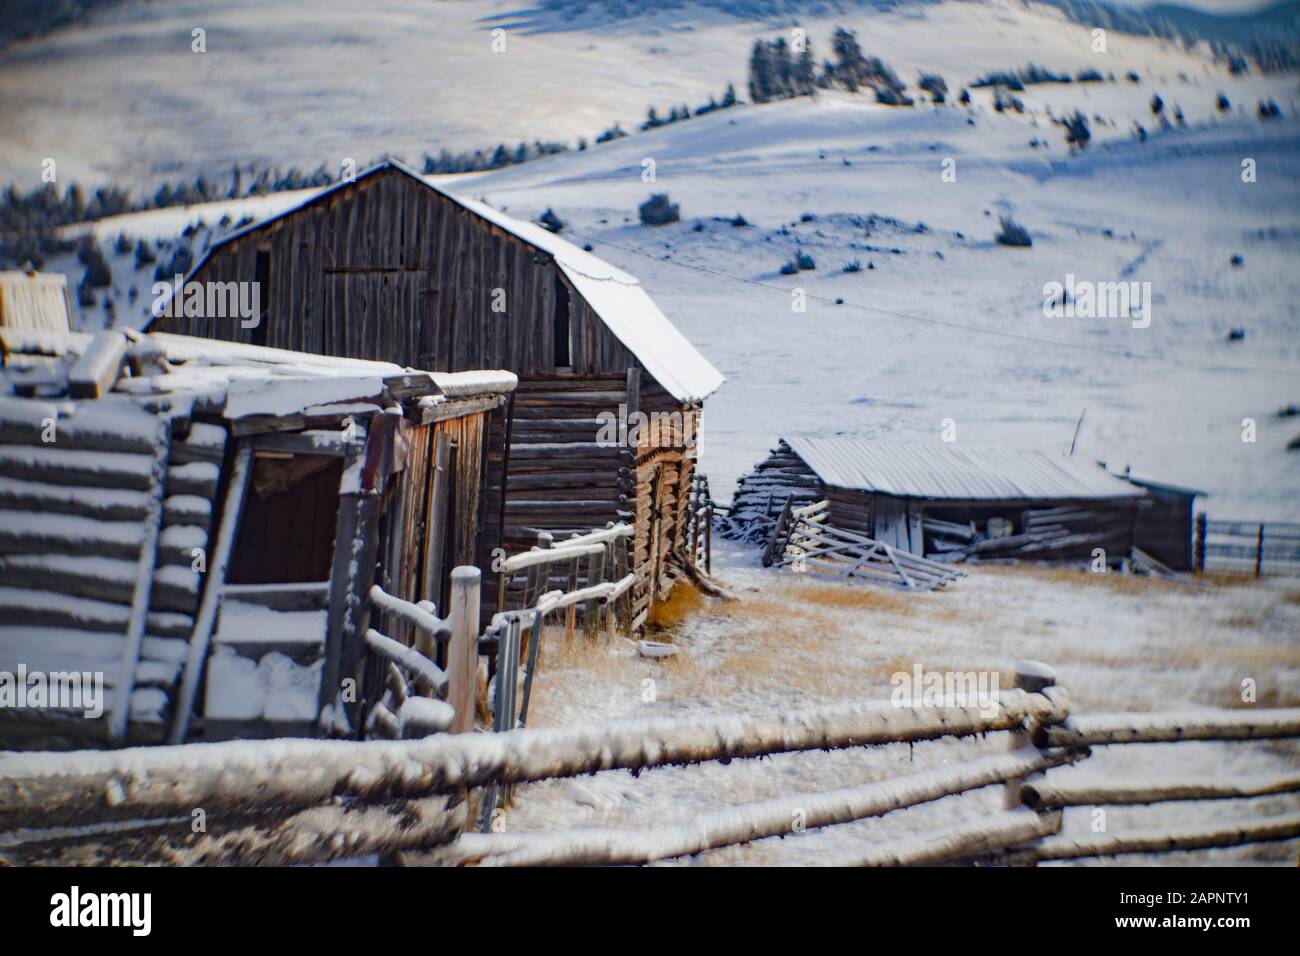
x: 393, y: 268
x: 953, y: 502
x: 202, y: 522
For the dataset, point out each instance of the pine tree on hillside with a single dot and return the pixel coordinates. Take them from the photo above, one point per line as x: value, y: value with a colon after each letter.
x: 805, y: 72
x: 760, y: 73
x: 848, y: 58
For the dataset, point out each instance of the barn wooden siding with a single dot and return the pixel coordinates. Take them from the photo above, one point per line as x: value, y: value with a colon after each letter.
x: 1082, y: 525
x: 389, y: 269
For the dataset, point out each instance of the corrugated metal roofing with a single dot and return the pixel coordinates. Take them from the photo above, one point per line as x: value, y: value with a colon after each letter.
x: 956, y: 472
x: 614, y: 295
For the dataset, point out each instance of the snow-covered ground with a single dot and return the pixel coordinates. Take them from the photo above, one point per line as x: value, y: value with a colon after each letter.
x: 1117, y: 643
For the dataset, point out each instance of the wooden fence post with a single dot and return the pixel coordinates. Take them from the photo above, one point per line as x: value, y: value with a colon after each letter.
x: 462, y: 652
x: 1259, y: 550
x: 708, y: 539
x: 1033, y: 677
x: 1198, y: 557
x: 595, y: 575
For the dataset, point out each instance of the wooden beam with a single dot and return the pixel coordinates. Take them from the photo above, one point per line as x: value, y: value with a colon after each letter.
x: 213, y: 584
x: 121, y: 710
x: 96, y: 371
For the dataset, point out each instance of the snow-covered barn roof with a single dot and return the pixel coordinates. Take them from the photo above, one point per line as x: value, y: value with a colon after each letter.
x: 616, y: 297
x: 957, y: 472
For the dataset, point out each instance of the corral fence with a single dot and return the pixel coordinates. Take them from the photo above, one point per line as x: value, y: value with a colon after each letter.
x: 700, y: 517
x: 1246, y: 546
x: 290, y: 801
x: 513, y: 639
x: 802, y: 540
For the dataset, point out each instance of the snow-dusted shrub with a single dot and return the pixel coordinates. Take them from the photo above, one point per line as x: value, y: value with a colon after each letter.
x: 805, y: 262
x: 658, y: 211
x: 789, y: 269
x: 550, y: 221
x: 144, y: 254
x: 1013, y: 234
x: 853, y: 265
x: 98, y: 273
x: 1077, y: 132
x: 935, y: 85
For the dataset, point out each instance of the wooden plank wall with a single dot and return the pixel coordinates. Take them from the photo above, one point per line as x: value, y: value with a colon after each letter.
x: 389, y: 269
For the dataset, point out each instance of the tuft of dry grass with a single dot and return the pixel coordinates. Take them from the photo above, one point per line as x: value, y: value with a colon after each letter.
x: 849, y: 596
x: 682, y: 601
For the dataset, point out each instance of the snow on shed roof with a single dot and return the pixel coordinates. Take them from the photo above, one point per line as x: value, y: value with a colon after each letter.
x: 957, y: 472
x: 617, y: 297
x: 240, y: 375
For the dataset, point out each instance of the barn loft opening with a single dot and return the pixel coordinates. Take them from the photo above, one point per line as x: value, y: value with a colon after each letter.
x: 562, y: 337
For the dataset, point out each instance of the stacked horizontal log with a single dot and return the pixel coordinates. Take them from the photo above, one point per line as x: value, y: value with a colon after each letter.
x: 560, y: 477
x: 1068, y: 532
x: 761, y: 494
x: 111, y: 486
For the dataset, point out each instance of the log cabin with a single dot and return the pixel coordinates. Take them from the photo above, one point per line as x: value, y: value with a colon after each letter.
x: 201, y: 523
x: 391, y: 267
x: 952, y: 502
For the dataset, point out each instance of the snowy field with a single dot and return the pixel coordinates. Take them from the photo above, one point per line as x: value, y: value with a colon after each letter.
x: 1118, y: 644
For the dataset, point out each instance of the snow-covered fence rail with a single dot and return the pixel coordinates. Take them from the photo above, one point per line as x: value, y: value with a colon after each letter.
x: 289, y: 801
x: 699, y: 524
x: 46, y: 788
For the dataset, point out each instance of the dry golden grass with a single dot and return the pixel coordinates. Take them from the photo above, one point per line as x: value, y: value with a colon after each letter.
x: 683, y: 600
x: 1112, y: 580
x: 849, y: 596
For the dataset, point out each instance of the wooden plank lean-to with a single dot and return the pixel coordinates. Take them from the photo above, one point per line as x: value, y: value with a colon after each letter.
x: 204, y: 622
x: 120, y: 712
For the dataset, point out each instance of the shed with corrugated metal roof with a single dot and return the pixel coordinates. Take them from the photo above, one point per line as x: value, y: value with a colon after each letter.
x: 957, y: 502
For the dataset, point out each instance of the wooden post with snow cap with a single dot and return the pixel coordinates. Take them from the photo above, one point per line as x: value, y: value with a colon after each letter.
x: 462, y: 652
x: 1033, y: 677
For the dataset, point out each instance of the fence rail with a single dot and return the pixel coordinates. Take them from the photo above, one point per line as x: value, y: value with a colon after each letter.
x: 306, y: 800
x: 1246, y: 546
x: 804, y: 541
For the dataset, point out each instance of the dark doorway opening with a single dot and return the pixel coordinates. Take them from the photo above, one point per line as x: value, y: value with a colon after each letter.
x: 286, y: 531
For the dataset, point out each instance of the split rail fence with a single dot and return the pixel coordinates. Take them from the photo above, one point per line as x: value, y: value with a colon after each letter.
x: 293, y: 801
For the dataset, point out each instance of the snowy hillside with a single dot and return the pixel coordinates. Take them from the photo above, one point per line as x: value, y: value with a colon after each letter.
x: 940, y: 322
x: 120, y: 95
